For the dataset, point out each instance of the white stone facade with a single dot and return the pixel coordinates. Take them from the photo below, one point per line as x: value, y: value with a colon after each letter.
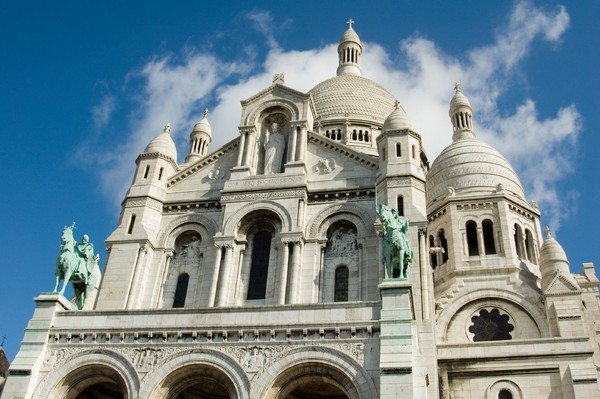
x: 255, y: 271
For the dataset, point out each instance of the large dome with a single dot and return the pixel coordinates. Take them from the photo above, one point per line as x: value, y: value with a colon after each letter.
x: 352, y: 97
x: 471, y: 167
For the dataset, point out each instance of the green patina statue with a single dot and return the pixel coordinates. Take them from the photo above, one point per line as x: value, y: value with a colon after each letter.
x: 77, y: 264
x: 397, y: 253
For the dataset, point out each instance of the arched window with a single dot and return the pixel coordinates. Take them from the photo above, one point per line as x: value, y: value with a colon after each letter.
x: 259, y: 266
x: 341, y: 284
x: 432, y: 255
x: 398, y: 150
x: 529, y: 246
x: 366, y: 136
x: 181, y: 290
x: 444, y: 244
x: 472, y: 243
x: 519, y: 241
x: 400, y: 205
x: 488, y: 237
x: 354, y: 136
x: 505, y: 394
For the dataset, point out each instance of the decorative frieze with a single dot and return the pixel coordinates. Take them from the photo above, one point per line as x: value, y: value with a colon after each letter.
x: 263, y: 195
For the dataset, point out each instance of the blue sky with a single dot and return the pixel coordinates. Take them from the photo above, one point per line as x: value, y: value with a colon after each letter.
x: 85, y: 86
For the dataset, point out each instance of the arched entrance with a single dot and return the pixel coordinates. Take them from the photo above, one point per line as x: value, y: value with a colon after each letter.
x: 92, y: 382
x: 312, y: 381
x: 198, y: 381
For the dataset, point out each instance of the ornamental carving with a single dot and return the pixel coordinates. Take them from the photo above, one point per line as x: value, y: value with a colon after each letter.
x: 324, y: 166
x: 257, y: 196
x: 342, y: 243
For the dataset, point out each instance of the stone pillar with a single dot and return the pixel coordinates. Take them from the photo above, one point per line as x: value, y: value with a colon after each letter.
x: 302, y: 140
x: 242, y: 149
x: 284, y: 273
x: 250, y: 144
x: 226, y: 276
x: 28, y: 361
x: 295, y: 277
x: 424, y: 269
x: 480, y: 242
x: 133, y: 301
x: 397, y: 342
x: 291, y: 155
x: 215, y: 277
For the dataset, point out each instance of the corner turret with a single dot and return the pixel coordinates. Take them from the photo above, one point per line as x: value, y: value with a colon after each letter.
x: 461, y: 115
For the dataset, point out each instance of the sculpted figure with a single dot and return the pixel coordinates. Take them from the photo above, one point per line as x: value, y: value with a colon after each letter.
x: 397, y: 253
x: 77, y: 264
x: 274, y: 147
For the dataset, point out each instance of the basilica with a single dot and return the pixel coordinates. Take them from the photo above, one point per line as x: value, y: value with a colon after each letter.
x: 271, y: 267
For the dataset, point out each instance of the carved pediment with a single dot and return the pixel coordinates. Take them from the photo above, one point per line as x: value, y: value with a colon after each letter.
x: 563, y: 284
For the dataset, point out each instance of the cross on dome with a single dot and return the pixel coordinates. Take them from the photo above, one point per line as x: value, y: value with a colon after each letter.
x: 167, y: 128
x: 206, y: 112
x: 456, y: 87
x: 350, y: 22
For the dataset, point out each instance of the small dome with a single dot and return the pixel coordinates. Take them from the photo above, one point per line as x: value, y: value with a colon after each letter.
x: 459, y: 100
x: 354, y: 97
x: 397, y: 120
x: 471, y: 167
x: 163, y: 144
x: 203, y: 126
x: 552, y: 252
x: 350, y: 36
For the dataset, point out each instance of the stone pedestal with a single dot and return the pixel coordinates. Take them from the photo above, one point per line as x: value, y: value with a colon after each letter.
x: 398, y: 339
x: 27, y: 362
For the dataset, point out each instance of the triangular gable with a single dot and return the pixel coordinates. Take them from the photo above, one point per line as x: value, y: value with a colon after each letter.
x: 563, y: 284
x: 327, y: 160
x: 208, y: 172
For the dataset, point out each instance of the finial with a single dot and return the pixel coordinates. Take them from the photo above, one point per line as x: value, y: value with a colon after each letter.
x: 205, y: 112
x: 167, y: 128
x: 350, y: 22
x: 397, y: 104
x: 548, y: 233
x: 278, y: 78
x: 456, y: 87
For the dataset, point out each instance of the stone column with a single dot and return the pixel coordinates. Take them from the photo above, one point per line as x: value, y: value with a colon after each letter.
x: 212, y: 296
x: 134, y: 285
x: 250, y: 144
x: 242, y: 149
x: 480, y: 242
x: 292, y: 144
x: 284, y: 273
x: 302, y: 140
x: 322, y: 248
x: 295, y: 277
x: 424, y: 269
x: 226, y: 276
x: 163, y: 280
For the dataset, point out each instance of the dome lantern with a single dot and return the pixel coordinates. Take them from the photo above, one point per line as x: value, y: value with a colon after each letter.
x: 461, y: 115
x: 349, y: 52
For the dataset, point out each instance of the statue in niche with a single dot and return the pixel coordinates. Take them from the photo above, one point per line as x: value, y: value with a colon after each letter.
x: 191, y: 249
x: 274, y: 148
x: 342, y: 242
x: 397, y: 252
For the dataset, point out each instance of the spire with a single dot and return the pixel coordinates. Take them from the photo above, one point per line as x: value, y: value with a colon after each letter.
x: 200, y: 138
x: 461, y: 115
x: 349, y: 52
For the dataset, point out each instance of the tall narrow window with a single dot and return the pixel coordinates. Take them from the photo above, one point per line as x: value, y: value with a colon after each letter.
x: 131, y: 224
x: 519, y: 241
x: 444, y: 244
x: 181, y: 290
x: 146, y: 171
x: 414, y: 151
x: 341, y: 284
x: 488, y: 237
x: 432, y: 255
x: 400, y: 205
x: 160, y: 173
x: 529, y: 246
x: 472, y: 244
x: 259, y: 266
x: 398, y: 150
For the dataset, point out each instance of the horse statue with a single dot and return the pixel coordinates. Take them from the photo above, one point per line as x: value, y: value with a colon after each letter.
x: 77, y: 264
x: 397, y: 252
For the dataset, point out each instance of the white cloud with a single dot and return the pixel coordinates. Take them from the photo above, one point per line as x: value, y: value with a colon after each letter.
x: 177, y: 93
x: 102, y: 112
